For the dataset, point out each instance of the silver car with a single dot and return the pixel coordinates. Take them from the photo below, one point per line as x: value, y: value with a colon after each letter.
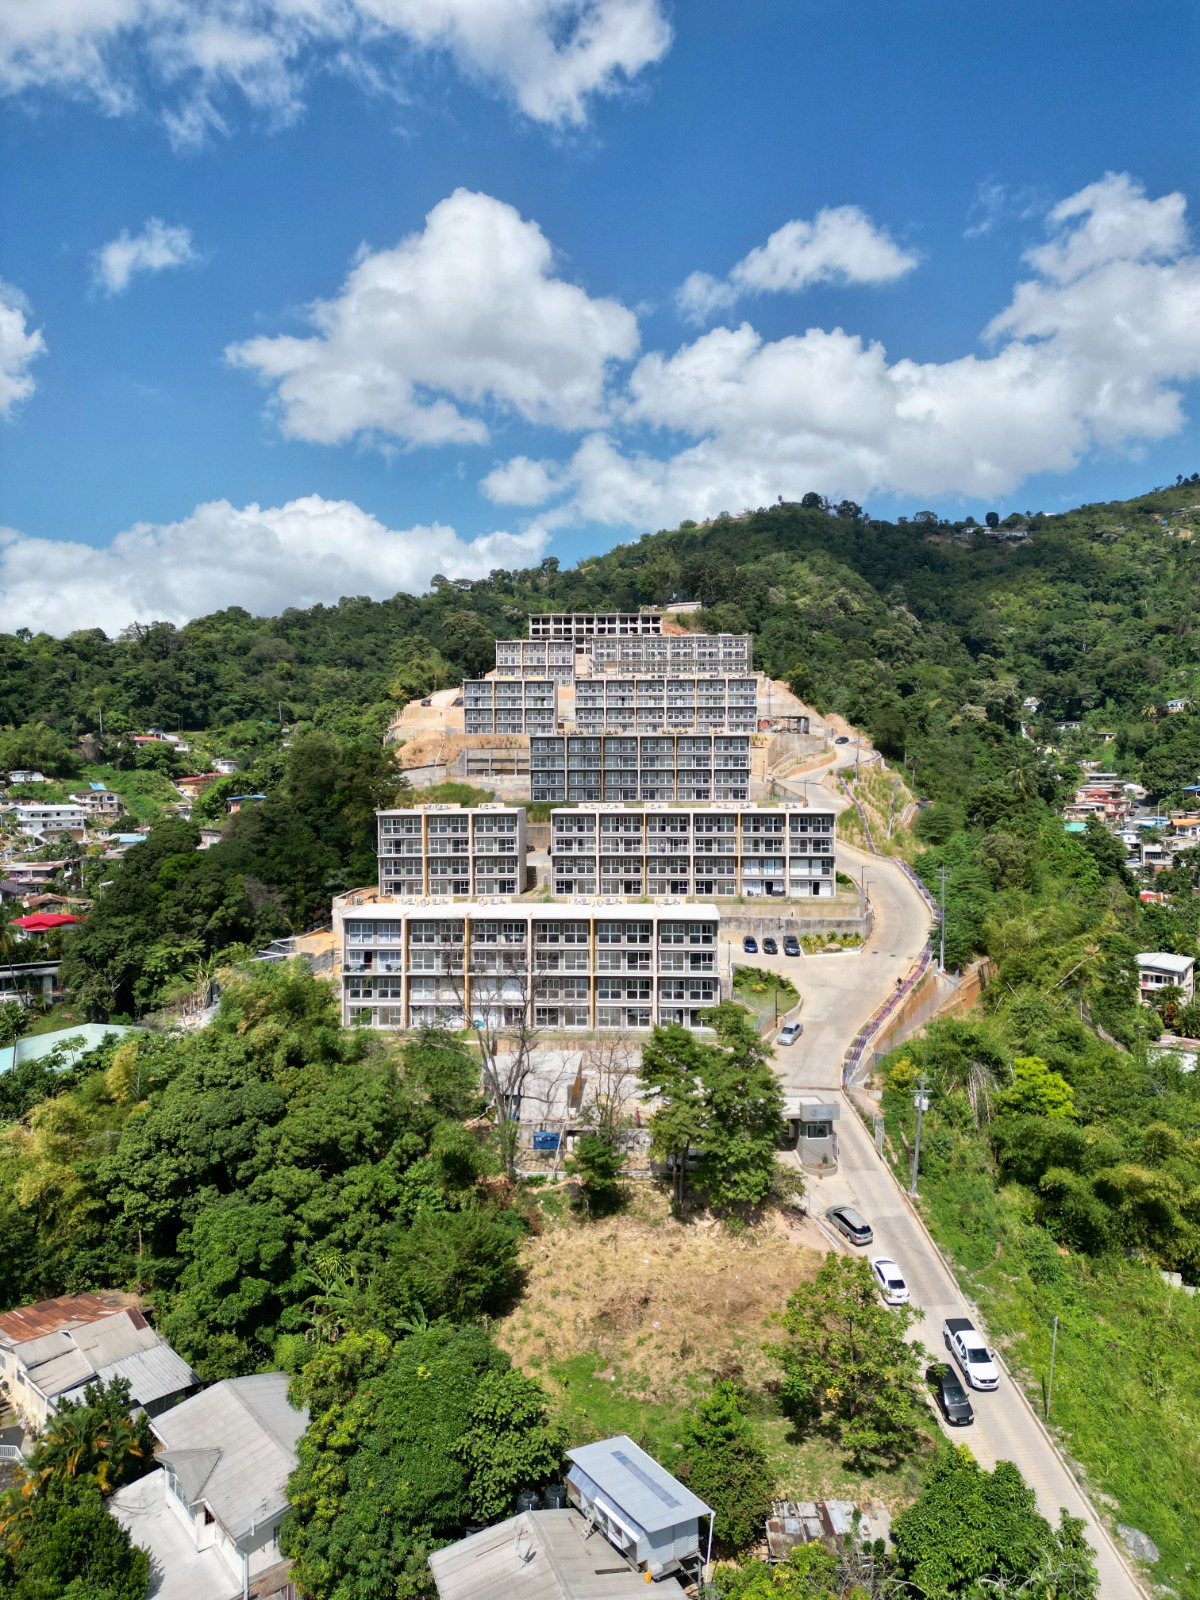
x: 790, y: 1032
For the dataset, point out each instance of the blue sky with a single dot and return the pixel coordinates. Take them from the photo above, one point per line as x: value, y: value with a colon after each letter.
x: 498, y: 209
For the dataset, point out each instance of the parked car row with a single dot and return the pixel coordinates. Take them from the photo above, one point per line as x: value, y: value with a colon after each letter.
x: 967, y: 1346
x: 791, y: 945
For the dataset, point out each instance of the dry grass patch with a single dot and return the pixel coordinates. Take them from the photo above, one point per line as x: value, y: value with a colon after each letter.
x: 668, y: 1304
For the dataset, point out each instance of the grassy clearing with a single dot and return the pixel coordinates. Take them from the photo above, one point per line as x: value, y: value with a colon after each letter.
x: 631, y: 1319
x: 143, y: 794
x: 1126, y: 1401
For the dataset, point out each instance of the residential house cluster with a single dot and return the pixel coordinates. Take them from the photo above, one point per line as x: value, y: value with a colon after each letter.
x: 210, y: 1511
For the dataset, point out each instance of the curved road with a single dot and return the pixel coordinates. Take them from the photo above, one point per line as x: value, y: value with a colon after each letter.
x: 839, y: 993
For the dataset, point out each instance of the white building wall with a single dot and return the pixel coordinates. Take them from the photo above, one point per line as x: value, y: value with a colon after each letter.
x: 571, y: 965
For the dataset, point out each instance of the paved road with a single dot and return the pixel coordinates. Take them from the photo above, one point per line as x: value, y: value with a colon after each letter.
x: 839, y: 993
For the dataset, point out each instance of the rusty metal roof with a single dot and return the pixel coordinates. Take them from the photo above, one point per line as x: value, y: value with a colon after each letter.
x: 49, y: 1316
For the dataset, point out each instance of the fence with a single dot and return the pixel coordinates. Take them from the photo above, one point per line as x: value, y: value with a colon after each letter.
x: 854, y: 1056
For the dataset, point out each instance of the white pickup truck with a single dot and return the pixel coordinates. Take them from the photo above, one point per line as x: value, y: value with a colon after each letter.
x: 971, y: 1353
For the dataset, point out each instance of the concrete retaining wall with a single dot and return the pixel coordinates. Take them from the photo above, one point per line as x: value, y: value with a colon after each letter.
x: 936, y: 996
x: 737, y: 921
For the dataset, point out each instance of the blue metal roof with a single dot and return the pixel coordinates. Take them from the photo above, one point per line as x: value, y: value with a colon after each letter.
x: 637, y: 1484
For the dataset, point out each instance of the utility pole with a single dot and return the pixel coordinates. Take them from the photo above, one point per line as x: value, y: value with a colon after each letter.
x: 1050, y: 1382
x: 921, y: 1101
x: 857, y: 753
x: 944, y: 874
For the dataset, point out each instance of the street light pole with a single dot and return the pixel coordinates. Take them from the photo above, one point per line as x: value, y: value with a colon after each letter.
x: 1050, y: 1382
x: 944, y: 874
x: 921, y: 1101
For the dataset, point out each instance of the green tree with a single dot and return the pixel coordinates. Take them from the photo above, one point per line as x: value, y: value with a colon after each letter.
x: 1037, y: 1090
x: 725, y: 1465
x: 972, y: 1531
x: 242, y: 1272
x: 672, y: 1060
x: 511, y: 1443
x: 93, y: 1439
x: 846, y: 1363
x: 722, y: 1100
x: 743, y: 1112
x: 454, y: 1264
x: 380, y: 1481
x: 75, y: 1551
x: 815, y: 1571
x: 596, y: 1163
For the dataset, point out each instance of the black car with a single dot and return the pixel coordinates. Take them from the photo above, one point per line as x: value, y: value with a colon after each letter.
x: 952, y: 1398
x: 791, y: 945
x: 770, y: 948
x: 848, y: 1221
x: 841, y: 739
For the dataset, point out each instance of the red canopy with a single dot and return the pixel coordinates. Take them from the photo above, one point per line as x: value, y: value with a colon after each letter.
x: 40, y: 921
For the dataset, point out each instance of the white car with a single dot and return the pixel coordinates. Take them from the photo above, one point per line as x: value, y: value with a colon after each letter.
x: 891, y: 1280
x: 970, y: 1351
x: 790, y: 1032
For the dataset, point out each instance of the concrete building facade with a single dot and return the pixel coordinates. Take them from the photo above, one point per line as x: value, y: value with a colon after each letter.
x: 610, y: 704
x: 721, y: 851
x: 673, y: 654
x: 576, y: 965
x: 44, y: 820
x: 510, y: 705
x: 536, y: 658
x: 619, y: 767
x: 452, y: 850
x: 580, y: 626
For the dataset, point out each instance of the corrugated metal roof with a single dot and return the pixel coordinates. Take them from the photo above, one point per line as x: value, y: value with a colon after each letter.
x: 153, y: 1374
x: 256, y: 1431
x: 637, y: 1484
x: 538, y: 1555
x: 118, y: 1344
x: 47, y: 1316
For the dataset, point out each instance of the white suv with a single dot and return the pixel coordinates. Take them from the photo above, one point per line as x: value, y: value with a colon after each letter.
x: 970, y: 1351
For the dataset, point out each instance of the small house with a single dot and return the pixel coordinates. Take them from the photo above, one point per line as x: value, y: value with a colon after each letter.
x: 645, y: 1513
x: 224, y: 766
x: 26, y: 775
x: 210, y: 1515
x: 1162, y: 969
x: 235, y: 802
x: 553, y: 1555
x: 97, y: 801
x: 51, y: 1351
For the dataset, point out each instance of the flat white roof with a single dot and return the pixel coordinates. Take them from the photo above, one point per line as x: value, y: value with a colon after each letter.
x: 667, y: 909
x: 1166, y: 961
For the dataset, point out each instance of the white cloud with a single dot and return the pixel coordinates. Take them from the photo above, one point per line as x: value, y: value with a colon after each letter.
x: 840, y: 245
x: 19, y: 348
x: 521, y: 482
x: 466, y: 313
x: 157, y: 247
x: 264, y: 559
x: 1087, y: 356
x: 550, y: 57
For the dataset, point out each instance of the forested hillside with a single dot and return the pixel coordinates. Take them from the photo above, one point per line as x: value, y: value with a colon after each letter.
x: 929, y: 634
